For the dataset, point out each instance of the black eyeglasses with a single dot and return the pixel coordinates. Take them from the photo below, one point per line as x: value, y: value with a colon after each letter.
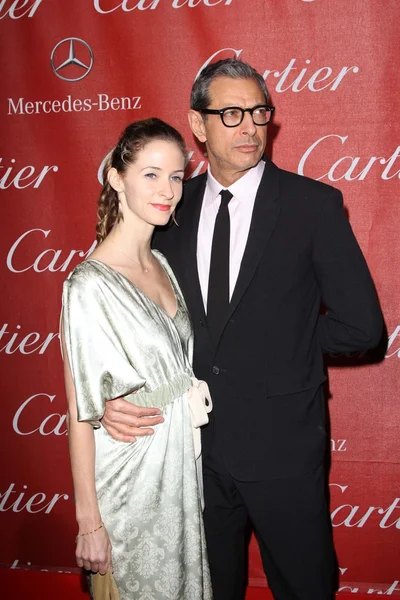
x: 232, y: 116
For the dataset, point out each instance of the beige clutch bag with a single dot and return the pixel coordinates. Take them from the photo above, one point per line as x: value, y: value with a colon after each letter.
x: 104, y: 587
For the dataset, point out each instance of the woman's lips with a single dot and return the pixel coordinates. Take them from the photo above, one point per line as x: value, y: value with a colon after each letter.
x: 162, y: 207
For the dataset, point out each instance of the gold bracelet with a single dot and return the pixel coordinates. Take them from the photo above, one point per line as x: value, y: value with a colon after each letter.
x: 89, y: 532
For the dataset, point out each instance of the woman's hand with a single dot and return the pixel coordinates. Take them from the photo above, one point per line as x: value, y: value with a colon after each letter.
x: 93, y: 551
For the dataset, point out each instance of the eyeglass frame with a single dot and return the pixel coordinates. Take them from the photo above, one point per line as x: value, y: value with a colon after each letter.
x: 220, y: 112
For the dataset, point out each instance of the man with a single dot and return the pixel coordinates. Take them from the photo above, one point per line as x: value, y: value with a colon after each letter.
x: 256, y: 250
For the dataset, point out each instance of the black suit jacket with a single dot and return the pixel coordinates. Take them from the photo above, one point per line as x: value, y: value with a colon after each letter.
x: 266, y: 371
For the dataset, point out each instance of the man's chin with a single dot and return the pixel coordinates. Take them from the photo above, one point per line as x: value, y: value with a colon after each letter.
x: 250, y: 159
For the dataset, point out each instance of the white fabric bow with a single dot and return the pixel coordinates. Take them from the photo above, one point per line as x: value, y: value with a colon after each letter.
x: 200, y: 405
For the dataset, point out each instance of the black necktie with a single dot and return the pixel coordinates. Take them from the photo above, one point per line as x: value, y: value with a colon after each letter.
x: 218, y: 282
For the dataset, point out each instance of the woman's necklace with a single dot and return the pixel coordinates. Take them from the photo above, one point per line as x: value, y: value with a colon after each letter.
x: 127, y: 256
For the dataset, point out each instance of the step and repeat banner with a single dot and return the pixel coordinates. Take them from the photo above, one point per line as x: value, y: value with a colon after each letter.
x: 73, y: 75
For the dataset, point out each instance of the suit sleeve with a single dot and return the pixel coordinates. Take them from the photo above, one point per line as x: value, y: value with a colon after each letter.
x: 353, y: 320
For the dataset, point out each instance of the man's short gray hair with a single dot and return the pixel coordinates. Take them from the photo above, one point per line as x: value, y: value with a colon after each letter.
x: 230, y: 67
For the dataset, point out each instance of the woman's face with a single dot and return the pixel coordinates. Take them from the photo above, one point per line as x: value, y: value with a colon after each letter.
x: 152, y: 186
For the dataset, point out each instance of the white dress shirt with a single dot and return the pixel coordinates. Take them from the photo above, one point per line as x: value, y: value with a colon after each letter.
x: 241, y: 206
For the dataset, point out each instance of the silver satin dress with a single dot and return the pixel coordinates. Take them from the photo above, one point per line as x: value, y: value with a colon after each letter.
x: 119, y: 342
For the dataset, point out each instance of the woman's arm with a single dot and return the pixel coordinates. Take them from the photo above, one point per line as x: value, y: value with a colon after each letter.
x: 93, y: 551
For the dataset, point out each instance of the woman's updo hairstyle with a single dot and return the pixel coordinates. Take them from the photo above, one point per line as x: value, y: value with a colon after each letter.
x: 135, y: 137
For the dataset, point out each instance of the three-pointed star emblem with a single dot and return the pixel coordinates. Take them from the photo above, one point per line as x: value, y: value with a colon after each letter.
x: 72, y: 52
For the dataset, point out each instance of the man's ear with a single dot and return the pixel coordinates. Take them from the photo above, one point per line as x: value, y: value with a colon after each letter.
x: 197, y: 125
x: 115, y: 180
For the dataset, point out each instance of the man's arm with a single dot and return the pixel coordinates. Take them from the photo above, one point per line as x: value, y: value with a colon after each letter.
x: 353, y: 320
x: 125, y: 421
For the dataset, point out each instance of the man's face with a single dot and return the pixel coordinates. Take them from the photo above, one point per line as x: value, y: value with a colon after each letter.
x: 232, y: 151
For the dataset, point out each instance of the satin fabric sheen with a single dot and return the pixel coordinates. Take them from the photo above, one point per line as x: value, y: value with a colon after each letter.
x: 119, y: 342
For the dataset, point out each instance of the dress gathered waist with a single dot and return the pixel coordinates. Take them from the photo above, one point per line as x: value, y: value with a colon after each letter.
x: 199, y: 401
x: 164, y: 394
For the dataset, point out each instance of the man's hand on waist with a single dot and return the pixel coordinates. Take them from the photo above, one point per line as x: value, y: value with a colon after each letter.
x: 125, y: 421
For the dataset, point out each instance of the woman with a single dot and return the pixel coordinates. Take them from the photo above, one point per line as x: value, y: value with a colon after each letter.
x: 126, y: 332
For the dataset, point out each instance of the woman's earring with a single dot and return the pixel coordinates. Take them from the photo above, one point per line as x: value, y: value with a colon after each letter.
x: 174, y: 220
x: 120, y: 213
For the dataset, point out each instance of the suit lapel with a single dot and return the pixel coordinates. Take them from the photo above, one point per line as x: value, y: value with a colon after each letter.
x: 194, y: 199
x: 265, y: 214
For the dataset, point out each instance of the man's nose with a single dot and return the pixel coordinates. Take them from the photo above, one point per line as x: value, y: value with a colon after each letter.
x: 247, y: 125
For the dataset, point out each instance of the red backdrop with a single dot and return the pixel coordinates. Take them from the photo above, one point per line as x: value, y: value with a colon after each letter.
x: 332, y: 70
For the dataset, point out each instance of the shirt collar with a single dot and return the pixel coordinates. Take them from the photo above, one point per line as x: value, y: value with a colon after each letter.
x: 240, y: 189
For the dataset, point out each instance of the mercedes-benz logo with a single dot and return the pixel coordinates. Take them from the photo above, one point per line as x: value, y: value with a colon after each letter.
x: 65, y: 62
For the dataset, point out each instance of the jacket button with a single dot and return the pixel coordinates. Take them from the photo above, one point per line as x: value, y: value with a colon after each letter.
x: 215, y: 370
x: 202, y: 323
